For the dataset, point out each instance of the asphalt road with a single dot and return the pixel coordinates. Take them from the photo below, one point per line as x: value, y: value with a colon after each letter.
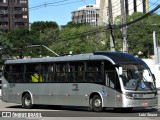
x: 61, y: 112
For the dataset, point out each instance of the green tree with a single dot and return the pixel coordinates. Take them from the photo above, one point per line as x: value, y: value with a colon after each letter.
x: 78, y: 39
x: 140, y: 34
x: 5, y: 46
x: 19, y: 38
x: 40, y: 26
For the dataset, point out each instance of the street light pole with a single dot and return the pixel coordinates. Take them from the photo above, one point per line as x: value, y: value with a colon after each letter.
x: 156, y: 55
x: 110, y: 20
x: 124, y: 28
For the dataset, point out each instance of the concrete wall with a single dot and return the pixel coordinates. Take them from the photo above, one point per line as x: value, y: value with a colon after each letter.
x: 155, y: 68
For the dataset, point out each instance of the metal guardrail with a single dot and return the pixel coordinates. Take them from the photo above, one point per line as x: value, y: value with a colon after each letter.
x: 0, y: 87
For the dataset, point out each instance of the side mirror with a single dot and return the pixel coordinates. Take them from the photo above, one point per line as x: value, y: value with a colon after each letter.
x: 120, y: 70
x: 154, y: 78
x: 0, y: 73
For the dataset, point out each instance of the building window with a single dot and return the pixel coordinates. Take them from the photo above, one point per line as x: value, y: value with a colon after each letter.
x: 16, y: 1
x: 23, y: 1
x: 18, y: 16
x: 24, y: 9
x: 3, y: 1
x: 24, y: 16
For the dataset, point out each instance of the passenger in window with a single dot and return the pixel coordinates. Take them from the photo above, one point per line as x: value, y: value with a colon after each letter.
x: 45, y: 77
x: 36, y: 77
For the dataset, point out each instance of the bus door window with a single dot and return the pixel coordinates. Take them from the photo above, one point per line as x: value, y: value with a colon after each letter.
x: 111, y: 76
x: 94, y: 72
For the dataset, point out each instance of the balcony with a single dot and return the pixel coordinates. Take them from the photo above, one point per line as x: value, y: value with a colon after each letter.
x: 4, y: 19
x: 20, y: 4
x: 3, y: 4
x: 3, y: 11
x: 4, y: 27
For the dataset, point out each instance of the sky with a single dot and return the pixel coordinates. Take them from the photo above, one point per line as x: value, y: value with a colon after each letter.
x: 59, y: 13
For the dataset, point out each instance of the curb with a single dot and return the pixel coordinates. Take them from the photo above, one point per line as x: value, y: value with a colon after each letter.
x: 158, y: 90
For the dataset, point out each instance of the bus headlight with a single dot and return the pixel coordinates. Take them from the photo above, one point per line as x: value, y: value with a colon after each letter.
x: 128, y: 96
x: 156, y: 94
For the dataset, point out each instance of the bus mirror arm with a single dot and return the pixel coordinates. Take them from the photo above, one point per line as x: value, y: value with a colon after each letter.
x: 0, y: 73
x: 120, y: 70
x: 154, y: 79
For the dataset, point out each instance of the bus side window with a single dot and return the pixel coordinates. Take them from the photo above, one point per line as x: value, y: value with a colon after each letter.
x: 7, y: 72
x: 50, y: 73
x: 16, y: 73
x: 61, y: 72
x: 76, y: 71
x: 32, y: 70
x: 94, y: 72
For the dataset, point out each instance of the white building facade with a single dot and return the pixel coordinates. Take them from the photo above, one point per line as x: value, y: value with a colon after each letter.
x: 86, y: 14
x: 131, y: 6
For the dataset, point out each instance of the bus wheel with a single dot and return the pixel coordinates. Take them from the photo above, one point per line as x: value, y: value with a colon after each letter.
x: 27, y: 101
x: 90, y: 105
x: 97, y: 104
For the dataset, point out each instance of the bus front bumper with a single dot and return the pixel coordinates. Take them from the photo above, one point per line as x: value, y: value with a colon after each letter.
x: 140, y: 102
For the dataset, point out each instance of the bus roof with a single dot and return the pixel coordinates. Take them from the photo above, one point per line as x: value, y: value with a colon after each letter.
x: 113, y: 57
x: 119, y: 57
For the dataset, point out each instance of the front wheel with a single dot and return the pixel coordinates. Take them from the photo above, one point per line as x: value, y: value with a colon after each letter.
x: 27, y: 101
x: 97, y: 104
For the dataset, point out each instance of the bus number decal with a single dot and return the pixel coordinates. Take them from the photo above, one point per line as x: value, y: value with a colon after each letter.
x: 12, y: 85
x: 75, y: 87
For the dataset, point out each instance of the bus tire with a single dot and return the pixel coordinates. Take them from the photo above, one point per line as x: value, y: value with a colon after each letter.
x: 97, y: 103
x: 27, y: 101
x: 90, y: 105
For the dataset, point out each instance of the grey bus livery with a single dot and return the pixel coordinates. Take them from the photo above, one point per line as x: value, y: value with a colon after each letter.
x: 94, y: 80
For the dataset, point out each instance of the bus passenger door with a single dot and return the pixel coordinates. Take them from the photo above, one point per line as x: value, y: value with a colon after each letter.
x: 114, y: 97
x: 110, y: 76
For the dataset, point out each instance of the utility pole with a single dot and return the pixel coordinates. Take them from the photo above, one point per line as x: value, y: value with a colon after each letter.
x: 156, y: 50
x: 110, y: 20
x: 10, y: 13
x: 124, y: 27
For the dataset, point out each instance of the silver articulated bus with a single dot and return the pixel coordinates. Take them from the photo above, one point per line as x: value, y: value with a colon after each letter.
x: 94, y: 80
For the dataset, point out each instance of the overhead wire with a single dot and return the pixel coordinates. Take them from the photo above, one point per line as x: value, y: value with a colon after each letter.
x: 119, y: 8
x: 128, y: 10
x: 120, y: 26
x: 58, y: 3
x: 104, y: 28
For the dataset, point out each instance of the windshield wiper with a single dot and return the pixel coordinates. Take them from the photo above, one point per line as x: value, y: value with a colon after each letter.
x: 138, y: 81
x: 147, y: 82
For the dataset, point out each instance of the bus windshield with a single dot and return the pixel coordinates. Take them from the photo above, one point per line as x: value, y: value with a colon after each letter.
x: 137, y: 77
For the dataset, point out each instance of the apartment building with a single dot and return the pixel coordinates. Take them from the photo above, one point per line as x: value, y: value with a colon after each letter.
x: 13, y: 14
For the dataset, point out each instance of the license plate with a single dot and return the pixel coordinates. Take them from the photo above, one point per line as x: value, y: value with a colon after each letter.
x: 145, y: 104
